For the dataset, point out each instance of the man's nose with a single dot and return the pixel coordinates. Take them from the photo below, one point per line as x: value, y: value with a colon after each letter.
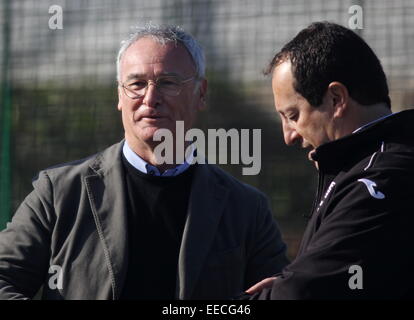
x: 290, y: 135
x: 152, y: 95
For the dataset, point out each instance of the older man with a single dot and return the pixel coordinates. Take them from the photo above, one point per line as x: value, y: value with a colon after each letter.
x: 122, y: 225
x: 332, y: 96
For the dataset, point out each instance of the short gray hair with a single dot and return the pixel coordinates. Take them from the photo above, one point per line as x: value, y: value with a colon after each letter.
x: 164, y: 34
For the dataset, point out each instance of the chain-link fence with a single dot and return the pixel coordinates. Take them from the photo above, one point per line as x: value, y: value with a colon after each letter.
x: 58, y: 94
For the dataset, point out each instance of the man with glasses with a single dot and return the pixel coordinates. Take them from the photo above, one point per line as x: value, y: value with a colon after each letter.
x: 120, y: 225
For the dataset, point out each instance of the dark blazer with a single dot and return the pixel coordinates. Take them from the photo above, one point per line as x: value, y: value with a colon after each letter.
x: 75, y: 218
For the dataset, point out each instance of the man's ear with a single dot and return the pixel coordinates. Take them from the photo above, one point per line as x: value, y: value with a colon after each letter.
x: 339, y: 96
x: 119, y: 98
x: 202, y: 92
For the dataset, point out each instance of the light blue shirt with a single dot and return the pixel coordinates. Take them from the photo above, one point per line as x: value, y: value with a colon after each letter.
x: 140, y: 164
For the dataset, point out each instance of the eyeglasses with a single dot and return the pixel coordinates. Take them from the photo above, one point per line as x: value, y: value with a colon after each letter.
x: 168, y: 85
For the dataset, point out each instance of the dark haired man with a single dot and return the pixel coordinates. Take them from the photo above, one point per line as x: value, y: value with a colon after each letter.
x: 332, y: 96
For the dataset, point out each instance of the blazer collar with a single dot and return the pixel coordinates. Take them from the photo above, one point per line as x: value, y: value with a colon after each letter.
x: 107, y: 196
x: 106, y: 191
x: 207, y: 202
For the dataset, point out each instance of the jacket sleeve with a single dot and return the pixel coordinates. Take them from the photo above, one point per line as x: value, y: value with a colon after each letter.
x: 25, y: 244
x: 267, y: 249
x: 356, y: 229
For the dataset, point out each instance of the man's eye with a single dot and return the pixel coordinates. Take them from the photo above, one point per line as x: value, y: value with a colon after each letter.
x: 292, y: 117
x: 167, y: 82
x: 138, y: 85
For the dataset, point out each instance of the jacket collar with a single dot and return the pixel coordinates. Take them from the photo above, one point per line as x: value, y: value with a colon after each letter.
x: 106, y: 191
x: 335, y: 155
x: 207, y: 202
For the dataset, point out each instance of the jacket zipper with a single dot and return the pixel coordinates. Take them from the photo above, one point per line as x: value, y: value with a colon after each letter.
x: 317, y: 195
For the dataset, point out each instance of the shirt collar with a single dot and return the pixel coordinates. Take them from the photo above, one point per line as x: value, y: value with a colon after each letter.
x: 140, y: 164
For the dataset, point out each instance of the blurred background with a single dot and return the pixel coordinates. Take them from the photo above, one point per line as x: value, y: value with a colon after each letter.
x: 58, y: 86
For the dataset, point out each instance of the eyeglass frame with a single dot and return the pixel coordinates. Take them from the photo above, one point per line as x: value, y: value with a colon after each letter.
x: 149, y: 81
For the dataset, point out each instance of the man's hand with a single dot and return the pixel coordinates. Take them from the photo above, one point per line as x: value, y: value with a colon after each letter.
x: 264, y: 284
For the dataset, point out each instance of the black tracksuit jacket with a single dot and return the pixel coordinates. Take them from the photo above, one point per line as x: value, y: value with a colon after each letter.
x: 363, y: 216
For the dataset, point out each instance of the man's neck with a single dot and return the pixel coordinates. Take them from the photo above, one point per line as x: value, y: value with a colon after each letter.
x: 372, y: 113
x: 362, y: 115
x: 148, y: 154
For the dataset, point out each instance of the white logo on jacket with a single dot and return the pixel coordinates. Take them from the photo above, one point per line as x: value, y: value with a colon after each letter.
x: 330, y: 188
x: 370, y: 185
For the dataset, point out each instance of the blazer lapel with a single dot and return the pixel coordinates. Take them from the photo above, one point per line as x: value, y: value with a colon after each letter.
x: 206, y: 205
x: 106, y: 192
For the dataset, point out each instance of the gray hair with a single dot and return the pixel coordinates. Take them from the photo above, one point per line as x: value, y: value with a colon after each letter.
x: 164, y: 35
